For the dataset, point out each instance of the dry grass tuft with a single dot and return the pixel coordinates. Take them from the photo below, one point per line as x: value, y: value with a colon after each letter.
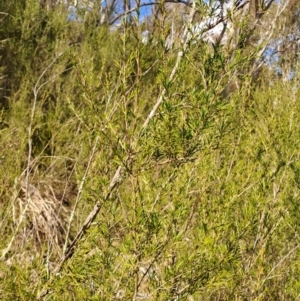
x: 44, y: 210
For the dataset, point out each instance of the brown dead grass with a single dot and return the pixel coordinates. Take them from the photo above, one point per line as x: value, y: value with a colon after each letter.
x: 44, y: 209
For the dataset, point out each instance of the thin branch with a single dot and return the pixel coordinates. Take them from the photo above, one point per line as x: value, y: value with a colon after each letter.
x: 279, y: 263
x: 265, y: 39
x: 187, y: 39
x: 79, y: 194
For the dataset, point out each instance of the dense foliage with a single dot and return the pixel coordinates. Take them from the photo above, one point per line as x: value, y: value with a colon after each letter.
x: 197, y: 201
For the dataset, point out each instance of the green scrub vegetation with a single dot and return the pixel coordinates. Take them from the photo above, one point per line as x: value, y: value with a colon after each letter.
x: 135, y: 171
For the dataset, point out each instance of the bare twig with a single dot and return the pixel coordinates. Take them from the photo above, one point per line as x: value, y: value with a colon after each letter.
x: 79, y: 194
x: 186, y: 39
x: 279, y: 263
x: 266, y: 38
